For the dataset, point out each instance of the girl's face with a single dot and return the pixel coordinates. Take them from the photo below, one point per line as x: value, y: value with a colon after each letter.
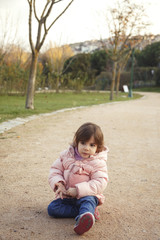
x: 88, y: 148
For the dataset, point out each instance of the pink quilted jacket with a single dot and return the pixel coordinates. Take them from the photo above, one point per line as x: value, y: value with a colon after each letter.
x: 89, y: 176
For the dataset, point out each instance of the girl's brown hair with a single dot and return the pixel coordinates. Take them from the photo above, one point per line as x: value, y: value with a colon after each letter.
x: 86, y: 131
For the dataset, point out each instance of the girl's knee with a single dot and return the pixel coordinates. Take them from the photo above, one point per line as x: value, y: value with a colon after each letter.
x: 50, y: 211
x: 53, y: 209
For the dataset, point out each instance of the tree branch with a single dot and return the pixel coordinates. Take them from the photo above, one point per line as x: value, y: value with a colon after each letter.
x: 38, y: 36
x: 72, y: 59
x: 60, y: 14
x: 34, y: 7
x: 45, y: 17
x: 58, y: 1
x: 30, y: 26
x: 48, y: 12
x: 44, y: 9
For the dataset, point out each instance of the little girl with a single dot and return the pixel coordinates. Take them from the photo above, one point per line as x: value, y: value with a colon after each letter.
x: 79, y: 178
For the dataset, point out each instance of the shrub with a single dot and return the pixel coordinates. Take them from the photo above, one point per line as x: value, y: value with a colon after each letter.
x: 157, y: 77
x: 103, y: 81
x: 145, y: 76
x: 125, y: 79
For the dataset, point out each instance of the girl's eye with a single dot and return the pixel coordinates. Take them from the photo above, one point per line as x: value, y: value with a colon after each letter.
x: 93, y: 145
x: 82, y: 142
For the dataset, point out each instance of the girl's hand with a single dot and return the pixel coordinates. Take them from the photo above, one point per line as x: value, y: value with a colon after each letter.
x: 60, y: 189
x: 71, y: 192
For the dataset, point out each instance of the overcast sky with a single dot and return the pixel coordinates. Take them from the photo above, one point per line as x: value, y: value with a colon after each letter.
x: 84, y: 20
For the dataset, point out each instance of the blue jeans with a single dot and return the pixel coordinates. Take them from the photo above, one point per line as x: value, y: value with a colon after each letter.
x: 72, y: 207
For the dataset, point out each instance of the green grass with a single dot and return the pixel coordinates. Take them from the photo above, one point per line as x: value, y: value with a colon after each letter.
x: 147, y: 89
x: 14, y: 106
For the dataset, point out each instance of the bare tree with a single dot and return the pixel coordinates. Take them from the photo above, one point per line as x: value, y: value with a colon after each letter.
x: 9, y: 29
x: 125, y: 21
x: 42, y: 32
x: 121, y: 65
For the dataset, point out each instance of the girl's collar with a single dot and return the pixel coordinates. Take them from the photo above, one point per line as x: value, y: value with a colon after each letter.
x: 76, y: 154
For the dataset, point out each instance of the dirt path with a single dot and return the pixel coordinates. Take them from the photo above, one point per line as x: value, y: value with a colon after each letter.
x: 132, y: 207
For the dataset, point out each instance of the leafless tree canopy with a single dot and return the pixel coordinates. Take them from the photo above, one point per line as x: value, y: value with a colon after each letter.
x: 43, y: 28
x: 126, y: 24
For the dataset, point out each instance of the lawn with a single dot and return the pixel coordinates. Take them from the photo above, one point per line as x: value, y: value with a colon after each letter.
x: 147, y: 89
x: 14, y: 106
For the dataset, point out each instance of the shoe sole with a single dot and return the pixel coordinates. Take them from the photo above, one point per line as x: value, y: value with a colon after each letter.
x: 96, y: 215
x: 85, y: 223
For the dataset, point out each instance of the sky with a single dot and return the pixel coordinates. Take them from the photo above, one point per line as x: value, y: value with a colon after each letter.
x: 84, y: 20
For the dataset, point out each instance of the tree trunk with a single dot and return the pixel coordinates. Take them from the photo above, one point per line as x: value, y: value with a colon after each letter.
x: 118, y: 81
x: 113, y: 80
x: 57, y: 84
x: 31, y: 83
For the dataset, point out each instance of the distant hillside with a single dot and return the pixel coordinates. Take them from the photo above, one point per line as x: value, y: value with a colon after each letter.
x: 92, y: 45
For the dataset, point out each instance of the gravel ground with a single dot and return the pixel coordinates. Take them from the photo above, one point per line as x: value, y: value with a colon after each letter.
x: 132, y: 207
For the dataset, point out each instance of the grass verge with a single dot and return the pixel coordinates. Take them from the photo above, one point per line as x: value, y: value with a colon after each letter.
x: 147, y: 89
x: 14, y: 106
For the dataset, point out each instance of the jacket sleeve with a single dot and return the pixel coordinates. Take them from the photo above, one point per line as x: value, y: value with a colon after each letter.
x: 97, y: 184
x: 56, y: 173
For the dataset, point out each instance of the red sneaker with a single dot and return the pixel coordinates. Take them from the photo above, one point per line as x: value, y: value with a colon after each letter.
x: 96, y: 214
x: 84, y: 223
